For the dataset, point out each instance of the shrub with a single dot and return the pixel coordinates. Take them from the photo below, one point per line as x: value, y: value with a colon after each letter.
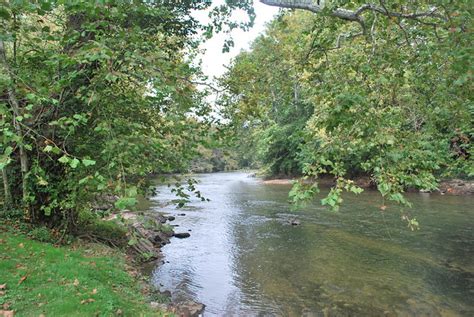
x: 41, y: 234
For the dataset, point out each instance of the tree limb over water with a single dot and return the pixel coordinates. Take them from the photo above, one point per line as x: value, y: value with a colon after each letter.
x: 317, y: 6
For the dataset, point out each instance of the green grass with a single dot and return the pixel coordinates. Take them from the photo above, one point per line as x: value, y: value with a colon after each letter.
x: 66, y: 281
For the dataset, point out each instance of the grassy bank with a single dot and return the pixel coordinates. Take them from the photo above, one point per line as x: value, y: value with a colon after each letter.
x: 82, y: 280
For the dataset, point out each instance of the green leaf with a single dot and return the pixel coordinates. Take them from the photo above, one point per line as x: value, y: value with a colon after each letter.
x: 47, y: 211
x: 56, y: 150
x: 87, y: 162
x: 48, y: 148
x: 125, y: 202
x: 42, y: 182
x: 8, y: 150
x: 63, y: 159
x: 84, y: 180
x: 4, y: 161
x: 74, y: 163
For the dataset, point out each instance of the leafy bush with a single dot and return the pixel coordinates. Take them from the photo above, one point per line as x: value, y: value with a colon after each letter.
x: 109, y: 232
x: 12, y: 214
x: 42, y: 234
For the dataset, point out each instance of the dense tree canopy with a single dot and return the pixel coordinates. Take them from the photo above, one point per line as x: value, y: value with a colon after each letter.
x: 96, y: 95
x: 389, y: 96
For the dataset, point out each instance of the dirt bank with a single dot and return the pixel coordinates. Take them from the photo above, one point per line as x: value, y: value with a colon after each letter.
x: 449, y: 187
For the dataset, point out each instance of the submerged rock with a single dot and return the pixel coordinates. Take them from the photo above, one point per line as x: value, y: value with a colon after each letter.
x: 187, y: 309
x: 295, y: 222
x: 182, y: 235
x: 171, y: 218
x: 166, y: 294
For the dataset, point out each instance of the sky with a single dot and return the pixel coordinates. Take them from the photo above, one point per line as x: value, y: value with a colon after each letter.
x: 214, y: 59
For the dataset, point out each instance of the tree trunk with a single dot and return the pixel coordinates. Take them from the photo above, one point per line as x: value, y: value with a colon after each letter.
x: 6, y: 188
x: 13, y: 101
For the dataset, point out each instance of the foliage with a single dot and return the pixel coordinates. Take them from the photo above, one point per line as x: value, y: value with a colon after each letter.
x: 95, y: 96
x: 393, y: 102
x: 108, y: 232
x: 267, y: 103
x: 214, y: 160
x: 41, y: 234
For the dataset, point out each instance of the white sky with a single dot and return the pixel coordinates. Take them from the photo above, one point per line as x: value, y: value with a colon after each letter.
x: 213, y: 59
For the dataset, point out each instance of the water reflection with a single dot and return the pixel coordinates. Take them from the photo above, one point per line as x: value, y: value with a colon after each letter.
x: 244, y: 259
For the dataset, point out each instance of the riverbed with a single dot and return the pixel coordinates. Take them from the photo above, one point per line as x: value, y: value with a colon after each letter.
x: 245, y: 258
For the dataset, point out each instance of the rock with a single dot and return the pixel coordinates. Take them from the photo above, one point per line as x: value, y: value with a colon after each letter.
x: 181, y: 214
x: 188, y: 309
x: 126, y: 215
x: 457, y: 187
x: 161, y: 238
x: 104, y: 202
x: 364, y: 182
x: 155, y: 218
x: 182, y: 235
x: 166, y: 293
x: 148, y: 236
x: 158, y: 306
x: 295, y: 222
x: 171, y: 218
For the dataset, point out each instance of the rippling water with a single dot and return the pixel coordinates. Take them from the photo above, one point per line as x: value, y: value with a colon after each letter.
x: 244, y: 259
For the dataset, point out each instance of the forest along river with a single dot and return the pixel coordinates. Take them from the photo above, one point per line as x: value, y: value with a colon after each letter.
x: 244, y: 258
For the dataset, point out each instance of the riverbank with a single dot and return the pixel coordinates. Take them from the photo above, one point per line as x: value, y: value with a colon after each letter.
x: 106, y: 277
x: 455, y: 187
x: 81, y: 279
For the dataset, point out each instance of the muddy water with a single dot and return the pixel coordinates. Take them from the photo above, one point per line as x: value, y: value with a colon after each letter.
x: 244, y: 258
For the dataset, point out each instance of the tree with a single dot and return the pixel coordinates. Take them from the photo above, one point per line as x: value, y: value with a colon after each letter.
x: 393, y: 102
x: 96, y: 96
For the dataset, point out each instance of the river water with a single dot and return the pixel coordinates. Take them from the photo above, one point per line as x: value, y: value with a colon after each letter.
x: 244, y: 258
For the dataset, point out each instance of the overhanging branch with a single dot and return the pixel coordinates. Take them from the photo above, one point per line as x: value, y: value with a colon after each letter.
x: 317, y: 6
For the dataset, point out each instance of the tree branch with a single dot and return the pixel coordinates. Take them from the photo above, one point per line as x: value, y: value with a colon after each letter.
x: 317, y: 6
x: 313, y: 6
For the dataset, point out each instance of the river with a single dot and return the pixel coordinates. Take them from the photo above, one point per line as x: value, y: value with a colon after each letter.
x: 244, y: 258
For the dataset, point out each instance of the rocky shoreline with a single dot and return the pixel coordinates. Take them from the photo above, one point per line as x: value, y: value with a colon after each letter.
x: 148, y: 232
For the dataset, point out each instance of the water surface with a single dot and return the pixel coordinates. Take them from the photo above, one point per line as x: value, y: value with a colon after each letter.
x: 244, y: 258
